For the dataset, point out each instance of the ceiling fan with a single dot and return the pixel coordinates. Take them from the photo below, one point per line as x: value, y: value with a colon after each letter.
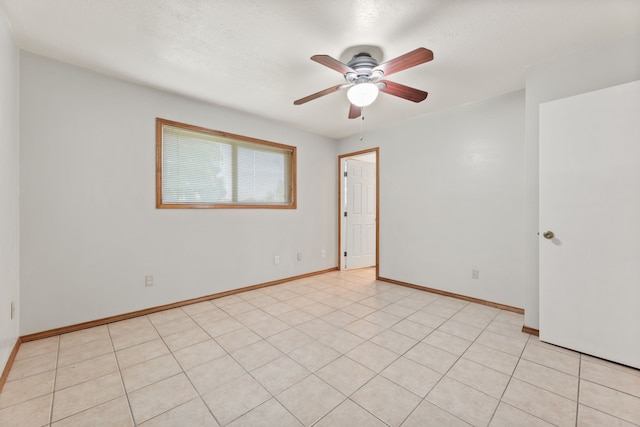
x: 364, y: 78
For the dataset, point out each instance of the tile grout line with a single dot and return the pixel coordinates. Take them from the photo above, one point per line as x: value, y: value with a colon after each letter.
x: 181, y: 369
x: 124, y: 389
x: 418, y: 342
x: 313, y: 373
x: 509, y: 382
x: 511, y: 377
x: 400, y: 319
x: 578, y: 390
x: 559, y: 372
x: 261, y: 385
x: 580, y: 380
x: 453, y: 364
x: 91, y: 379
x: 247, y: 372
x: 55, y: 378
x: 347, y: 397
x: 398, y: 356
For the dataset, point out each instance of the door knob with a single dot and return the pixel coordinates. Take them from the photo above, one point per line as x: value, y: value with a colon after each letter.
x: 548, y: 235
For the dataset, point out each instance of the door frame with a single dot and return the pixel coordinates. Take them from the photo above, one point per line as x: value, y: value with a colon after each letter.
x: 341, y: 158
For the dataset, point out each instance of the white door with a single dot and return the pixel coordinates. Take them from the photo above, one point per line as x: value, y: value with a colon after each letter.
x: 360, y: 209
x: 590, y: 200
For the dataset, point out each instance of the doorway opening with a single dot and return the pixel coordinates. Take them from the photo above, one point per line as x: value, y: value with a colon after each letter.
x: 358, y: 210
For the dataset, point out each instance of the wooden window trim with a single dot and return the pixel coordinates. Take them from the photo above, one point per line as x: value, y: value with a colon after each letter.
x: 159, y: 202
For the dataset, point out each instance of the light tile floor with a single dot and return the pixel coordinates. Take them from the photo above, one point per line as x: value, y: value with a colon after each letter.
x: 339, y: 349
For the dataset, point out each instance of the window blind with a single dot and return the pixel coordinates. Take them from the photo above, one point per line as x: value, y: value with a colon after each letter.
x: 210, y: 169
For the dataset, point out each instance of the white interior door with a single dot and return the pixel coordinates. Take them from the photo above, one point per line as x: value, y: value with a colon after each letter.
x: 590, y: 200
x: 360, y: 208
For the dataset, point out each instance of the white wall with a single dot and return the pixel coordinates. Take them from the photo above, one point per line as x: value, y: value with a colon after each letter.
x: 458, y: 192
x: 9, y: 213
x: 90, y: 231
x: 602, y: 66
x: 452, y: 199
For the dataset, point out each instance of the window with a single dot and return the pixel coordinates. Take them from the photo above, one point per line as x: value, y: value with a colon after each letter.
x: 203, y: 168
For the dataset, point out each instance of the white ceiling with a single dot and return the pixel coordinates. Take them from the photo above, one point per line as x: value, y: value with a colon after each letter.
x: 253, y: 55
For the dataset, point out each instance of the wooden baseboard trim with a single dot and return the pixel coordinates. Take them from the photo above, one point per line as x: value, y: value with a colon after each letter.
x: 453, y: 295
x: 531, y: 331
x: 117, y: 318
x: 7, y: 367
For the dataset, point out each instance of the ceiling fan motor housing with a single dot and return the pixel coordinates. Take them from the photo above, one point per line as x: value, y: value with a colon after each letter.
x: 363, y: 65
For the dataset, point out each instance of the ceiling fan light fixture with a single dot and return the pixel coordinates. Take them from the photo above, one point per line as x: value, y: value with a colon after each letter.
x: 362, y: 94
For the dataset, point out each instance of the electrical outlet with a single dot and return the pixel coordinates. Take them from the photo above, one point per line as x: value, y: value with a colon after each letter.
x: 148, y: 280
x: 475, y: 274
x: 324, y: 253
x: 299, y: 256
x: 276, y: 260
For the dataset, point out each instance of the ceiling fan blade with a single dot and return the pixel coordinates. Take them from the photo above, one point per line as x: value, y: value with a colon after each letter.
x: 402, y: 91
x: 318, y: 94
x: 354, y: 111
x: 332, y: 63
x: 408, y: 60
